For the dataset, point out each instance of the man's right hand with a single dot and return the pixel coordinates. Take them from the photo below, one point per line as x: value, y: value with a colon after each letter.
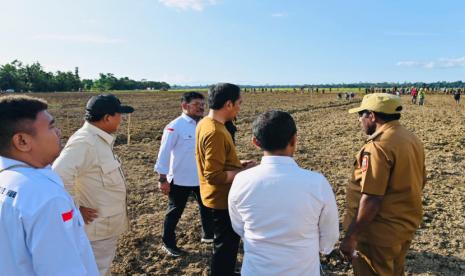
x: 88, y: 214
x: 164, y: 187
x: 247, y: 164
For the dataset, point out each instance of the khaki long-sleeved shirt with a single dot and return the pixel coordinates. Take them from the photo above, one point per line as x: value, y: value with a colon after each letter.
x: 215, y: 154
x: 92, y: 174
x: 391, y: 164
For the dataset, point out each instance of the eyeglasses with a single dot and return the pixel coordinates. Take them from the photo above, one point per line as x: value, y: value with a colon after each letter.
x: 361, y: 114
x: 197, y: 104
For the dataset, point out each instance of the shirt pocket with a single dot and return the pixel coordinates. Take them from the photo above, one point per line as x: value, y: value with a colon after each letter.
x: 111, y: 225
x: 111, y: 174
x: 188, y: 141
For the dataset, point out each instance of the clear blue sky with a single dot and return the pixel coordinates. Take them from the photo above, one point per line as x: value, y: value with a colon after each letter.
x: 240, y: 41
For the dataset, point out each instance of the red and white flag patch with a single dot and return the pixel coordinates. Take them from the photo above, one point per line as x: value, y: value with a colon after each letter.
x: 365, y: 162
x: 67, y: 216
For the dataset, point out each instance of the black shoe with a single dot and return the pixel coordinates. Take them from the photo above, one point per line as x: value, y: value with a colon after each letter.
x: 172, y: 251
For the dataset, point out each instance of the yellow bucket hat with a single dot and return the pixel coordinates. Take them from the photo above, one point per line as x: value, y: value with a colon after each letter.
x: 380, y: 102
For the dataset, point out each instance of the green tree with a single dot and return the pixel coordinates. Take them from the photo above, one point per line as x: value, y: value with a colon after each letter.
x: 9, y: 77
x: 105, y: 82
x: 87, y: 84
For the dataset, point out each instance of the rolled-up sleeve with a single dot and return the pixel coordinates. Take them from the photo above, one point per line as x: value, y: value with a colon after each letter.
x: 168, y: 141
x: 329, y: 221
x: 215, y: 158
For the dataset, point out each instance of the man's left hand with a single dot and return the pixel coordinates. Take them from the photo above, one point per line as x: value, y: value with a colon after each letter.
x: 164, y: 187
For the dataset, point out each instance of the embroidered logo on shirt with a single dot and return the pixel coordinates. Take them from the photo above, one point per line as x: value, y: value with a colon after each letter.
x: 67, y: 216
x: 170, y: 129
x: 8, y: 193
x: 365, y: 163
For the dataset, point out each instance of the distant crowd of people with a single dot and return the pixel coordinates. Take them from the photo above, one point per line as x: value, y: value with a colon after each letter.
x: 418, y: 95
x: 62, y: 210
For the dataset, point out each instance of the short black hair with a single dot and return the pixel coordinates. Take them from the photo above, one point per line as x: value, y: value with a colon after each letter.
x: 189, y: 96
x: 92, y: 117
x: 17, y: 114
x: 387, y: 117
x: 220, y: 93
x: 274, y: 130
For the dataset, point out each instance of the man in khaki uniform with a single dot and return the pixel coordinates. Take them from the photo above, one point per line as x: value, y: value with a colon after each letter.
x: 384, y: 195
x: 92, y: 174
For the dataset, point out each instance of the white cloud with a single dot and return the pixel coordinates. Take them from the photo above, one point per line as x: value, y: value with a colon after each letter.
x: 440, y: 63
x: 79, y: 38
x: 196, y: 5
x: 409, y: 63
x: 279, y: 14
x: 451, y: 62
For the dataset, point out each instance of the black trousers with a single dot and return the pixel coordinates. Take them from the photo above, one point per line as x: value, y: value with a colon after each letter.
x: 177, y: 199
x: 226, y: 244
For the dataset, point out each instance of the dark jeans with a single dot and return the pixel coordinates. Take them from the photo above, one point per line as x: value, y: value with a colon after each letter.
x: 225, y: 245
x: 177, y: 202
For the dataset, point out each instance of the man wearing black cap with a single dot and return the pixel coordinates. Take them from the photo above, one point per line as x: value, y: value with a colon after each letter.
x: 92, y: 174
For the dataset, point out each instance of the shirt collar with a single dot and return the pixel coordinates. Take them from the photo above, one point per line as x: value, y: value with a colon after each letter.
x: 187, y: 118
x: 104, y: 135
x: 283, y: 160
x: 46, y: 171
x: 6, y: 162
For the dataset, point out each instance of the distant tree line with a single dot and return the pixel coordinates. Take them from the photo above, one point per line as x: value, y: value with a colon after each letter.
x: 33, y: 78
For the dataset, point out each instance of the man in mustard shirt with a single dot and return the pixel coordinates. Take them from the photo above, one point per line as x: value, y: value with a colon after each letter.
x: 384, y: 195
x: 92, y: 174
x: 217, y: 165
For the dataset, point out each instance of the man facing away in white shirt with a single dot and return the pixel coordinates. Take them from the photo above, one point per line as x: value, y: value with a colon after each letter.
x: 285, y: 215
x: 177, y: 169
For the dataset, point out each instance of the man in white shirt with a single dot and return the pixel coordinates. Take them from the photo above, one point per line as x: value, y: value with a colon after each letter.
x: 41, y: 230
x: 92, y: 174
x: 285, y: 215
x: 178, y: 171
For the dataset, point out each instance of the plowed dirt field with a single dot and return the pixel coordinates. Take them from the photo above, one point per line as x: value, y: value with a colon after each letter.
x: 328, y: 139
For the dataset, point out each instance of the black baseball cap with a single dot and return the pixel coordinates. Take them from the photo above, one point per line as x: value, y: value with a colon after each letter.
x: 106, y: 104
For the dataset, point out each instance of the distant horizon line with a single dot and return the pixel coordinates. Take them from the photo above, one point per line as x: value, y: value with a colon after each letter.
x: 327, y: 85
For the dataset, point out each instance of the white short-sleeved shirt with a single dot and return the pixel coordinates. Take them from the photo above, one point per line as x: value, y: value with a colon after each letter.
x: 176, y: 157
x: 285, y: 216
x: 41, y: 230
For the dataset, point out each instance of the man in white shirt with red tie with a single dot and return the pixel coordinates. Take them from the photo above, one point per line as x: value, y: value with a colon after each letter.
x: 177, y: 169
x: 284, y: 214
